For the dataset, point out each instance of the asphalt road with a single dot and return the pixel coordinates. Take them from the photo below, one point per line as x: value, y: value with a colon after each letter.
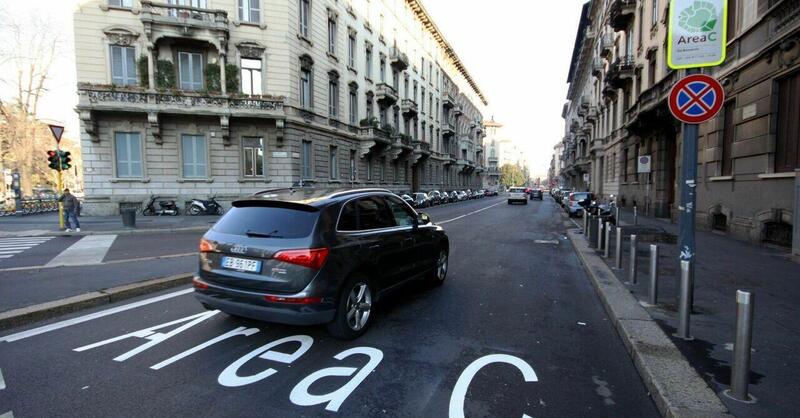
x: 516, y: 329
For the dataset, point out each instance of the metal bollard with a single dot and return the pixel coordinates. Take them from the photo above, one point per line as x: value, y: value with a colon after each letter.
x: 616, y: 215
x: 740, y: 372
x: 653, y: 274
x: 588, y: 229
x: 585, y: 222
x: 618, y: 249
x: 684, y: 309
x: 600, y: 233
x: 632, y: 266
x: 635, y: 216
x: 608, y: 240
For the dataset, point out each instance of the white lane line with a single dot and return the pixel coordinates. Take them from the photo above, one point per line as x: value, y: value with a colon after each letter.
x: 7, y: 256
x: 90, y: 249
x: 8, y: 414
x: 25, y: 239
x: 69, y: 322
x: 15, y: 247
x: 467, y: 214
x: 2, y: 381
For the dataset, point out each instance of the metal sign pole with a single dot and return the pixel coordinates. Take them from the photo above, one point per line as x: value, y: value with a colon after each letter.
x: 686, y: 209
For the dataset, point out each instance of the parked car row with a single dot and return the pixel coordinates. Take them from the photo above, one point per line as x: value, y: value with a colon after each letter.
x: 436, y: 197
x: 573, y: 202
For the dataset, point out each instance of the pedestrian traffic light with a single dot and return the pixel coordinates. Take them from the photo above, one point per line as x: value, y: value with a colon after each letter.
x: 52, y: 159
x: 65, y: 160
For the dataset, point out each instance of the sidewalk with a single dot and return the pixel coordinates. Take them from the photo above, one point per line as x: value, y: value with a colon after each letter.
x: 723, y: 266
x: 47, y: 224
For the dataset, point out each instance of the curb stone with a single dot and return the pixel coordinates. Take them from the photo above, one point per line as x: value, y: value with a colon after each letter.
x: 43, y: 233
x: 34, y: 313
x: 676, y: 387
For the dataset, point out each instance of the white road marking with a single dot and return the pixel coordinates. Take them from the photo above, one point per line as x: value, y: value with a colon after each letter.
x: 127, y: 260
x: 462, y: 384
x: 12, y: 246
x: 90, y: 249
x: 467, y: 214
x: 2, y: 381
x: 544, y: 241
x: 69, y: 322
x: 8, y: 414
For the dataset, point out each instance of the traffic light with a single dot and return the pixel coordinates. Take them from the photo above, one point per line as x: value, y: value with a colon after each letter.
x: 52, y: 159
x: 65, y: 160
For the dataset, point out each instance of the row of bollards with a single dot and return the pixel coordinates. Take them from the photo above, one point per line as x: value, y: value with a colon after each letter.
x: 740, y: 370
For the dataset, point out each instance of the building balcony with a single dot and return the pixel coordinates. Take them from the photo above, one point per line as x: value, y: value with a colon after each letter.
x: 621, y: 13
x: 491, y: 160
x: 448, y: 128
x: 447, y: 100
x: 606, y: 44
x: 177, y: 21
x: 620, y: 72
x: 591, y: 114
x: 609, y: 92
x: 457, y: 110
x: 94, y: 99
x: 385, y: 94
x: 409, y: 107
x: 597, y: 67
x: 397, y: 59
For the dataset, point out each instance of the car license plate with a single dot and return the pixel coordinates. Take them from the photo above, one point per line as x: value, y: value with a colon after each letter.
x: 241, y: 264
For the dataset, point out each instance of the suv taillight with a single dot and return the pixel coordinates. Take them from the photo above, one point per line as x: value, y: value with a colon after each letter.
x: 312, y: 258
x: 206, y: 246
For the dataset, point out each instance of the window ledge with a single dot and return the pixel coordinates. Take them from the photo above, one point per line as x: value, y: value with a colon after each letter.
x: 768, y: 176
x: 335, y: 181
x: 252, y: 24
x: 353, y: 70
x: 332, y: 56
x: 106, y: 7
x: 129, y: 180
x: 721, y: 178
x: 368, y: 80
x: 185, y: 180
x: 254, y: 180
x: 367, y: 26
x: 305, y: 40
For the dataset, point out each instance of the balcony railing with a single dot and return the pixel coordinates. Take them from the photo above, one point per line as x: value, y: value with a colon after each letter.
x: 620, y: 72
x: 398, y: 59
x: 448, y: 100
x: 448, y: 128
x: 597, y: 67
x: 409, y: 107
x: 620, y: 13
x: 606, y: 44
x: 137, y: 99
x: 183, y: 15
x: 386, y: 94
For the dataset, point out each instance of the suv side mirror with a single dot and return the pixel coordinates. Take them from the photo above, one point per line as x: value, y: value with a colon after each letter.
x: 423, y: 219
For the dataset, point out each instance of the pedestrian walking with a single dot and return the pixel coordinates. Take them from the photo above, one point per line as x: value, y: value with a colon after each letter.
x: 71, y: 208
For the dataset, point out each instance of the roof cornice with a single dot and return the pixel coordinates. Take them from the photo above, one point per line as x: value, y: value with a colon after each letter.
x: 427, y: 22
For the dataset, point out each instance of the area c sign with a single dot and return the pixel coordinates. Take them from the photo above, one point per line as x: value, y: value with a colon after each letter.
x: 697, y: 33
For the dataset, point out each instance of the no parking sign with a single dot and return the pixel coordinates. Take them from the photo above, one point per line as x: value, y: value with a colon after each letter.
x: 696, y: 98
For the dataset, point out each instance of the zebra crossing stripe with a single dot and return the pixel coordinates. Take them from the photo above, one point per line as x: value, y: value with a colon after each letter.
x: 12, y: 246
x: 8, y: 414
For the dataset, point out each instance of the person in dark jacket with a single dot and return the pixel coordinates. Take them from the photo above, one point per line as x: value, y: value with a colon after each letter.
x: 71, y: 208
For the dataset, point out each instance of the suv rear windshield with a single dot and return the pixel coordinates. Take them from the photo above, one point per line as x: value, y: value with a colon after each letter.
x: 517, y: 190
x: 267, y: 222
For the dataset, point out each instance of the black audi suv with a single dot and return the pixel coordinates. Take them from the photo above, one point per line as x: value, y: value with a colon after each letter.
x: 304, y: 256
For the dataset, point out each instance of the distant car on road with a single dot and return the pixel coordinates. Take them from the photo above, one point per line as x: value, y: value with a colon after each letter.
x: 317, y: 257
x: 420, y: 200
x: 572, y: 204
x: 517, y: 194
x: 536, y: 194
x: 435, y: 197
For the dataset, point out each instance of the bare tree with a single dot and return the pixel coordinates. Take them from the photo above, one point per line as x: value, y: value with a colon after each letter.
x: 26, y: 56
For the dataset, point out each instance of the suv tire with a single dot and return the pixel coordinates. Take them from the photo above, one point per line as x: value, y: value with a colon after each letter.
x: 439, y: 272
x: 342, y: 326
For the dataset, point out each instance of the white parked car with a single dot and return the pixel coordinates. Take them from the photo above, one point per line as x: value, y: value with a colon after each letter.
x: 517, y: 194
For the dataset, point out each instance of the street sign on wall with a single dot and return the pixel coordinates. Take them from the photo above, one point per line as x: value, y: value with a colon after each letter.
x: 644, y: 164
x: 697, y: 33
x: 696, y: 98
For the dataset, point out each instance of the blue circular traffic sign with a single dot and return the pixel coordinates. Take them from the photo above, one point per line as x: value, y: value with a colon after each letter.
x: 696, y: 98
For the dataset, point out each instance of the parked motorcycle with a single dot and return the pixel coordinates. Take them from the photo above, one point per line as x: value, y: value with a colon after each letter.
x: 165, y: 207
x: 205, y: 207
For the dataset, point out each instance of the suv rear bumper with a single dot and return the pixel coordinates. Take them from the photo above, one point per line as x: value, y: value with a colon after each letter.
x: 253, y: 305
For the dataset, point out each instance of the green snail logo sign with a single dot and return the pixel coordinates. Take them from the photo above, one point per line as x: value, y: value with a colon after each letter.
x: 699, y: 17
x: 697, y: 33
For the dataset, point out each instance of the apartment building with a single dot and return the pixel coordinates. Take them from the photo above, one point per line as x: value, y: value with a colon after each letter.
x: 748, y: 156
x: 188, y: 98
x: 492, y: 146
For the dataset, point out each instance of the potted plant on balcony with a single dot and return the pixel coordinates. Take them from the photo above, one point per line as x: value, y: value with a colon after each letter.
x: 165, y: 75
x: 370, y: 122
x: 389, y: 129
